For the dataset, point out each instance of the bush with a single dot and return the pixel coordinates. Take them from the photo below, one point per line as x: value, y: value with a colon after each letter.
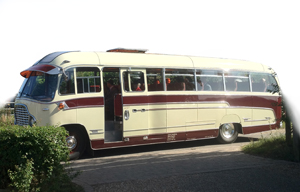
x: 31, y: 158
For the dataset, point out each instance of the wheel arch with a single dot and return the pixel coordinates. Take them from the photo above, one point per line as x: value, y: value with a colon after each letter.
x: 231, y: 118
x: 234, y: 119
x: 80, y: 127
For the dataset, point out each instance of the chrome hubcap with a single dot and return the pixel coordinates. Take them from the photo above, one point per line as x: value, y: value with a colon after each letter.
x: 227, y: 130
x: 71, y: 142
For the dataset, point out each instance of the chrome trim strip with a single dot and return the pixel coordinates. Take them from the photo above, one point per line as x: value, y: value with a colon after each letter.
x: 130, y: 130
x: 256, y: 120
x: 180, y: 126
x: 157, y: 128
x: 96, y: 130
x: 97, y: 133
x: 246, y: 119
x: 202, y: 124
x: 188, y: 103
x: 173, y: 132
x: 206, y: 93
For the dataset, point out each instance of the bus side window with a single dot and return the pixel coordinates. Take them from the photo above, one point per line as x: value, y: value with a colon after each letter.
x: 67, y: 85
x: 180, y: 80
x: 154, y: 80
x: 262, y: 82
x: 88, y: 79
x: 209, y: 80
x: 237, y: 81
x: 136, y: 80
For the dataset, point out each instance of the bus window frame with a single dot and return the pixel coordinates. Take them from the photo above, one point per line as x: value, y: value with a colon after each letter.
x: 129, y: 70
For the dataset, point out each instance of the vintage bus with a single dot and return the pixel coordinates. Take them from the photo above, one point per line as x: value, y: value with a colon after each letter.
x: 127, y: 97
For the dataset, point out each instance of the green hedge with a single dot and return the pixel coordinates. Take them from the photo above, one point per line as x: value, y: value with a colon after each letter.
x: 30, y: 158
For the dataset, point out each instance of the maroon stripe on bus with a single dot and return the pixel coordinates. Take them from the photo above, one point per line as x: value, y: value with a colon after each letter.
x: 202, y: 134
x: 153, y: 99
x: 233, y: 100
x: 85, y: 102
x: 266, y: 101
x: 159, y: 138
x: 255, y: 129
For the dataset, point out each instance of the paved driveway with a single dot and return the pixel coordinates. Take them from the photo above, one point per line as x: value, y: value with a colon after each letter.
x: 187, y: 166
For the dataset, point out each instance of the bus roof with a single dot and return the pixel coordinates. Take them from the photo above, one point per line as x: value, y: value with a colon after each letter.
x: 148, y: 60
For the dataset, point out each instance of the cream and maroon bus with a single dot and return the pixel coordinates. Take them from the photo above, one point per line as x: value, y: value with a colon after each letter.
x: 126, y: 97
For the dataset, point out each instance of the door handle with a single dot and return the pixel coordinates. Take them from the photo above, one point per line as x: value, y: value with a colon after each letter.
x: 138, y: 110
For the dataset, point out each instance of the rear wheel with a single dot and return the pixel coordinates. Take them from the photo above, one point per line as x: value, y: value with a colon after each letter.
x: 227, y: 133
x: 76, y: 143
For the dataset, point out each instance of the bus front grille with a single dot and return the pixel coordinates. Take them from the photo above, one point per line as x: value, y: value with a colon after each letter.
x: 21, y: 115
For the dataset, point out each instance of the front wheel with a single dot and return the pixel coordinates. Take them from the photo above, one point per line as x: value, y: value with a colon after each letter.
x: 227, y: 133
x: 76, y: 143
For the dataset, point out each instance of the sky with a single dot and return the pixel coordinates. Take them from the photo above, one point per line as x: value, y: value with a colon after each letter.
x: 261, y: 31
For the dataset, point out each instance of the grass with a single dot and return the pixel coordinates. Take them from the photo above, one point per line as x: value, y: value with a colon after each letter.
x: 274, y: 147
x: 6, y: 117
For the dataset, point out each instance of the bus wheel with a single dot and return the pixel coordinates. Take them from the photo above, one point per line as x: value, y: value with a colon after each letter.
x: 76, y: 143
x: 227, y: 133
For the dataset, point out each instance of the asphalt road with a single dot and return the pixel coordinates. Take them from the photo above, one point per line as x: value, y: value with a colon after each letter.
x: 186, y: 166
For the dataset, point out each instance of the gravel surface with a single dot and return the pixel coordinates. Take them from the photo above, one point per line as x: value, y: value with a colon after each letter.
x: 266, y: 178
x: 190, y: 166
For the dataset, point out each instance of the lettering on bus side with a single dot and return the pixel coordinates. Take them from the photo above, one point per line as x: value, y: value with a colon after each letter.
x: 171, y: 137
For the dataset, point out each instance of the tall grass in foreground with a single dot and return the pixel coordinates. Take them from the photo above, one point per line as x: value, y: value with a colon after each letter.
x: 274, y: 146
x: 6, y: 116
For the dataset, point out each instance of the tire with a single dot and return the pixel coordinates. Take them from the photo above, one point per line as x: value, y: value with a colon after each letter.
x: 76, y: 143
x: 228, y: 133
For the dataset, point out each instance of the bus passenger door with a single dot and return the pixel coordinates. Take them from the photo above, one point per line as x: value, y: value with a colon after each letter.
x: 113, y: 105
x: 135, y: 104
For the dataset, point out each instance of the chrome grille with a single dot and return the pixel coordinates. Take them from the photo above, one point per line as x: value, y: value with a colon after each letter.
x: 21, y: 115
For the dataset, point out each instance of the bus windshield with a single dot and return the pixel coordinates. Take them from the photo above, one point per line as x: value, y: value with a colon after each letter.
x: 39, y: 86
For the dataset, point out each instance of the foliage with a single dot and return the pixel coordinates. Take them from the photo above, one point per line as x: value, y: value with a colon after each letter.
x: 6, y: 116
x: 31, y: 158
x: 274, y: 146
x: 114, y: 76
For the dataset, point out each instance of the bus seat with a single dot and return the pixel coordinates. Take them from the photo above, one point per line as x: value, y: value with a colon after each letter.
x: 151, y: 87
x: 95, y: 88
x: 118, y: 105
x: 160, y: 87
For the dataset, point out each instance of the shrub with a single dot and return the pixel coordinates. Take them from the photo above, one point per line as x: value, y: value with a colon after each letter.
x: 31, y: 158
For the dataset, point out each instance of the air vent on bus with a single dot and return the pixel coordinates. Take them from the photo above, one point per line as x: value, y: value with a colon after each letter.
x: 123, y: 50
